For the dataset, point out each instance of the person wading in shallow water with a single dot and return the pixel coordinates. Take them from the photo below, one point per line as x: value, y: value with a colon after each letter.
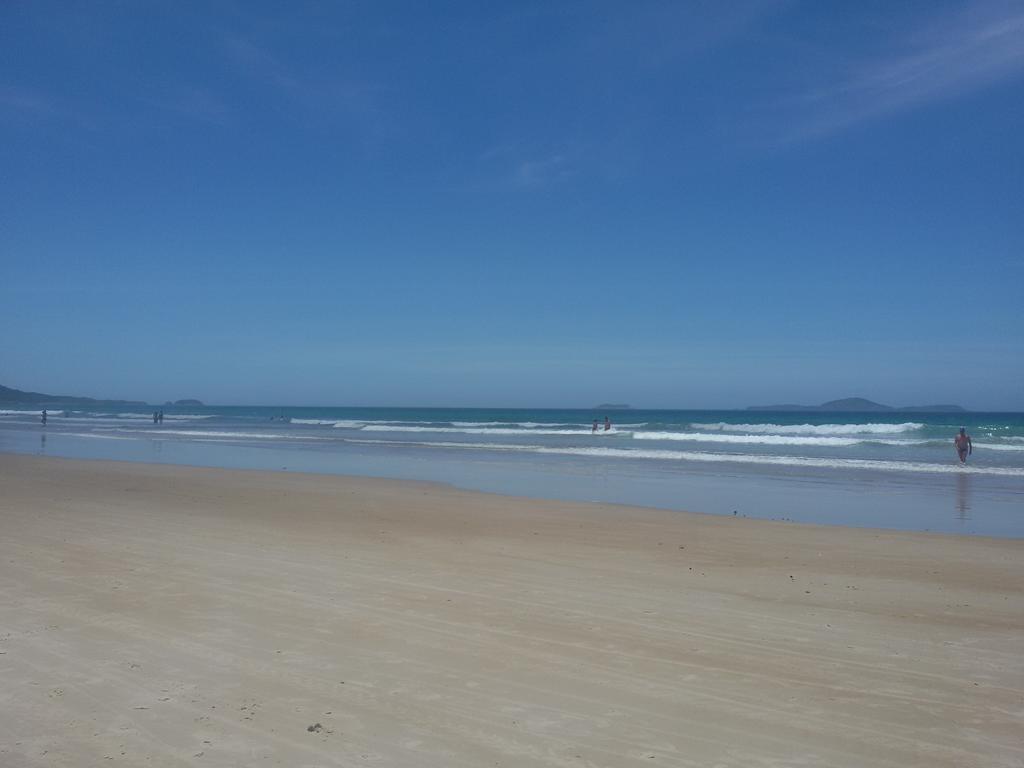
x: 963, y: 445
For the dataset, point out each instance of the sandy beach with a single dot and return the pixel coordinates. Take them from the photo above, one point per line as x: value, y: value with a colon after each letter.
x: 166, y: 616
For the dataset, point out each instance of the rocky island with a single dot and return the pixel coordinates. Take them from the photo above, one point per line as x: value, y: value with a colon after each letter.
x: 859, y: 405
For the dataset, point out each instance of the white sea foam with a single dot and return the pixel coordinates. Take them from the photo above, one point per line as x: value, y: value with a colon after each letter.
x: 725, y: 458
x: 718, y: 437
x: 97, y: 420
x: 536, y: 425
x: 149, y: 416
x: 358, y: 423
x: 493, y: 423
x: 100, y: 420
x: 98, y: 436
x: 485, y: 430
x: 346, y: 423
x: 340, y: 423
x: 203, y: 433
x: 999, y: 447
x: 6, y: 412
x: 812, y: 429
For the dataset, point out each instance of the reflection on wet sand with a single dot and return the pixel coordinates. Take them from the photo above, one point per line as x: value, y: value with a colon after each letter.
x: 963, y: 496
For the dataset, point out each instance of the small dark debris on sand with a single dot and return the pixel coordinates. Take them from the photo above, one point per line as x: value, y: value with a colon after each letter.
x: 316, y: 728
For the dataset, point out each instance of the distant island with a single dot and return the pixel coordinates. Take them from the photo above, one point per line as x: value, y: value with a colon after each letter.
x: 612, y: 407
x: 9, y: 395
x: 184, y: 402
x: 860, y: 405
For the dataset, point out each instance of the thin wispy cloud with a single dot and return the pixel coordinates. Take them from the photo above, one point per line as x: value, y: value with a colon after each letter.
x: 257, y: 61
x: 22, y: 101
x: 601, y: 74
x: 545, y: 170
x: 327, y: 96
x: 520, y: 166
x: 946, y: 57
x: 31, y: 108
x: 197, y: 104
x: 658, y: 34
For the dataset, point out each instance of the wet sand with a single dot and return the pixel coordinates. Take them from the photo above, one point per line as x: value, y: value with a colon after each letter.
x: 166, y: 615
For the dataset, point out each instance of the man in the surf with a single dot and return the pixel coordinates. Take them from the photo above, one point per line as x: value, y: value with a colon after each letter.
x: 963, y: 445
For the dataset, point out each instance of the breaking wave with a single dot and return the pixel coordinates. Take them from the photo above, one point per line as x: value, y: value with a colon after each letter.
x: 812, y: 429
x: 341, y: 423
x: 703, y: 437
x: 723, y: 458
x: 580, y: 430
x: 203, y: 433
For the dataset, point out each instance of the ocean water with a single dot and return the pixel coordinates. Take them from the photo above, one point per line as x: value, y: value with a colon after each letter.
x: 895, y: 470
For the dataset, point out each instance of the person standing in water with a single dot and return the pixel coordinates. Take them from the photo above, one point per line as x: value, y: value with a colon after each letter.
x: 44, y: 417
x: 593, y: 431
x: 607, y: 424
x: 963, y: 445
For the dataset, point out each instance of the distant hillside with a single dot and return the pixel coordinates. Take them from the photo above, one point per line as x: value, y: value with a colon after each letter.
x: 859, y: 405
x: 9, y: 395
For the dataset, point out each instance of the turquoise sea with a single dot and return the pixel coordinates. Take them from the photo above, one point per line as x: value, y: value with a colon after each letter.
x: 890, y: 469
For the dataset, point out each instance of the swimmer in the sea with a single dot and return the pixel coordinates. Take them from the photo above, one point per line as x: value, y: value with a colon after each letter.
x: 963, y: 445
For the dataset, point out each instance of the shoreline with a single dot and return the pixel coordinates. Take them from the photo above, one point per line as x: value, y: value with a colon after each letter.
x: 963, y: 503
x: 452, y: 487
x: 154, y: 612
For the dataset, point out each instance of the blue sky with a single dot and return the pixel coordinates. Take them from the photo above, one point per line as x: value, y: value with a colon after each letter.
x: 525, y: 204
